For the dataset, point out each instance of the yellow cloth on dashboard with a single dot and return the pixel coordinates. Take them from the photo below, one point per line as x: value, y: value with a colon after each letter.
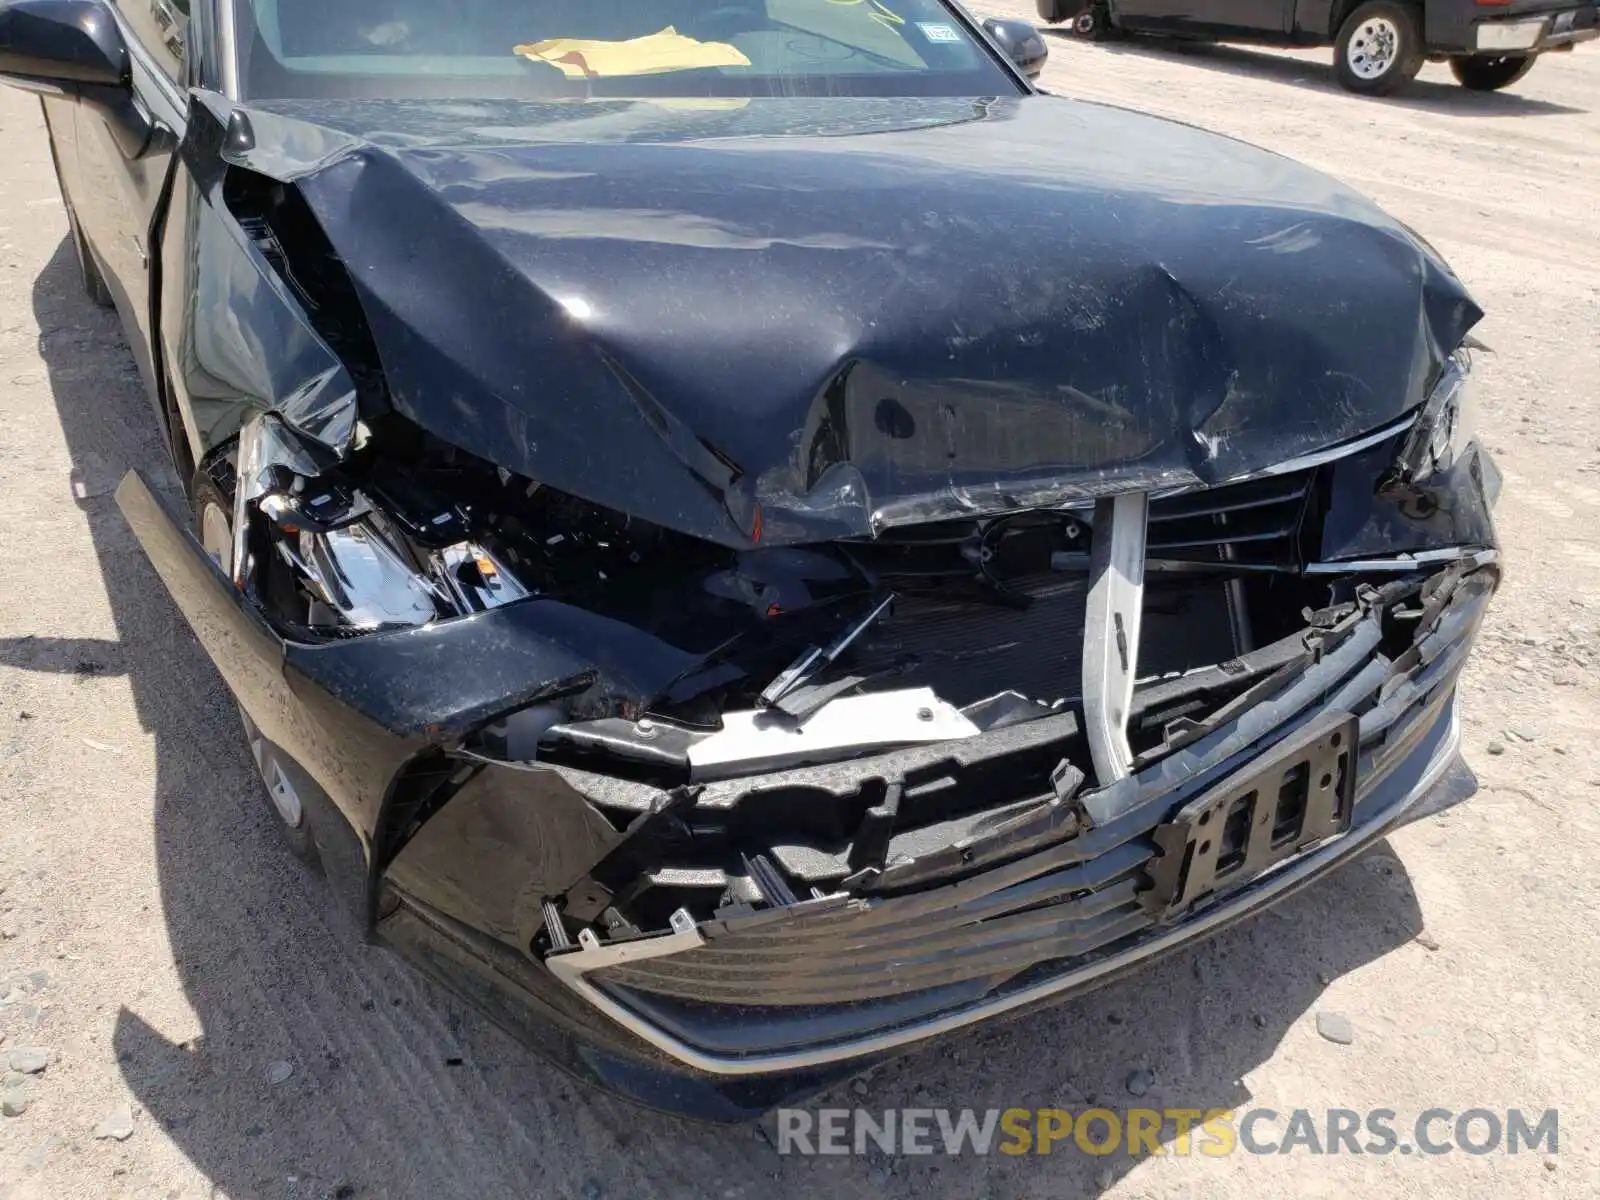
x: 653, y: 54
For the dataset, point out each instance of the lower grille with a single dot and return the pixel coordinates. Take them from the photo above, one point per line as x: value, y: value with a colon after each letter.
x: 989, y: 927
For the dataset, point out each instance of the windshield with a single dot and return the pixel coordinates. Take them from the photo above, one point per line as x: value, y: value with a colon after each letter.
x: 644, y: 48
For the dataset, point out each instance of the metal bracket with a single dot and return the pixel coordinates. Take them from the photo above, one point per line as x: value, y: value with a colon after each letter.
x: 1111, y: 631
x: 1298, y: 796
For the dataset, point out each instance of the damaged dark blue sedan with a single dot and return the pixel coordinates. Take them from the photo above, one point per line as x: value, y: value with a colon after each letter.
x: 743, y: 535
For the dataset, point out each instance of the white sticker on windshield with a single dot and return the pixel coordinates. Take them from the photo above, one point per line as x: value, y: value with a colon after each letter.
x: 938, y: 33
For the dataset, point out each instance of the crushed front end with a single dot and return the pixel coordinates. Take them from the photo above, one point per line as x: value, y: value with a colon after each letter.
x: 720, y: 812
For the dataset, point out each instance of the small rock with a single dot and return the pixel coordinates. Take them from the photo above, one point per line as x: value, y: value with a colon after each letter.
x: 1113, y: 1019
x: 278, y: 1071
x: 30, y: 1060
x: 1496, y: 748
x: 1139, y: 1082
x: 592, y: 1189
x: 8, y: 932
x: 1426, y: 940
x: 878, y: 1176
x: 1549, y: 1164
x: 859, y: 1087
x: 1104, y: 1180
x: 1261, y: 1021
x: 1336, y: 1028
x: 15, y: 1103
x: 118, y: 1124
x: 1324, y: 978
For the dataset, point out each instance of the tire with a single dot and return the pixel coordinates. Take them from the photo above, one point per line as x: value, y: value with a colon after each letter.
x: 1094, y: 23
x: 1378, y: 50
x: 1490, y: 73
x: 279, y: 791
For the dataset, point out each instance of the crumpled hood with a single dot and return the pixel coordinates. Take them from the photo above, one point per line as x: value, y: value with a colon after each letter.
x: 795, y: 319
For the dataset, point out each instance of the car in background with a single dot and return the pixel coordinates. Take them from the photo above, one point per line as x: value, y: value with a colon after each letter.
x: 1379, y: 46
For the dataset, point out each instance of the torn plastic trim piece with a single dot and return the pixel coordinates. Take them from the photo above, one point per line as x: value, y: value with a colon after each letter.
x: 643, y: 844
x: 1471, y: 556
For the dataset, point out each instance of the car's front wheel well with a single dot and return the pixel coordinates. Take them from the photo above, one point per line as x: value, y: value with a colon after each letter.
x: 1341, y: 10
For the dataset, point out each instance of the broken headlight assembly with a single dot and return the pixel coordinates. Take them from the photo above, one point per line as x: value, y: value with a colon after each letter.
x: 420, y: 531
x: 336, y: 553
x: 1444, y: 425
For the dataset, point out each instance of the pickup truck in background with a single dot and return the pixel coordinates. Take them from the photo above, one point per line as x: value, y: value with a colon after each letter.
x: 1379, y: 45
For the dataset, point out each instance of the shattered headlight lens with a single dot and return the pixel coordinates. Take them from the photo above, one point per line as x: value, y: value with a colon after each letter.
x: 1444, y: 426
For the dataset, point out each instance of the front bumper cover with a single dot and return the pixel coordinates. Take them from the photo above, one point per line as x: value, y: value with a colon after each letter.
x: 840, y: 978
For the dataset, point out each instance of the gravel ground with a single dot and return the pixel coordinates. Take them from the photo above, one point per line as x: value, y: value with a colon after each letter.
x: 182, y: 971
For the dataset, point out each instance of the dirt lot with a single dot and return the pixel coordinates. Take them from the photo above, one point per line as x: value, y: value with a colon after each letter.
x: 177, y: 961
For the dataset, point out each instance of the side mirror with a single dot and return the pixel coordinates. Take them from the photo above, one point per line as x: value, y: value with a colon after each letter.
x: 64, y: 48
x: 1021, y: 42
